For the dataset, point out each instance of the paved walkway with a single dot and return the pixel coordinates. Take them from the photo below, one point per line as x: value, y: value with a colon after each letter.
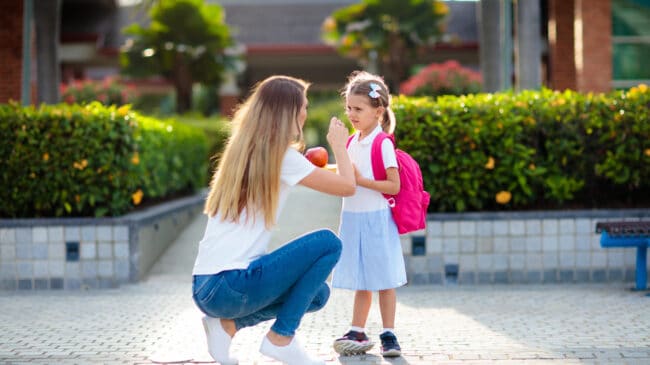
x: 155, y: 320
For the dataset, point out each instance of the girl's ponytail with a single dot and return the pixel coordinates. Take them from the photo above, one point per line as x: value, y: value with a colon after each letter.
x: 388, y: 120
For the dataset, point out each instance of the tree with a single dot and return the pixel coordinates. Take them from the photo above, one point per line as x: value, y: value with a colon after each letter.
x: 187, y: 41
x: 393, y: 31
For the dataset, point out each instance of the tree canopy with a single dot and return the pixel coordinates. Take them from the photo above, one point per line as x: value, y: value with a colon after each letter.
x: 392, y: 30
x: 186, y: 41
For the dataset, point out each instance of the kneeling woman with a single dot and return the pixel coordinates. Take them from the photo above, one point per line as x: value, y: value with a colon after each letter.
x: 235, y: 282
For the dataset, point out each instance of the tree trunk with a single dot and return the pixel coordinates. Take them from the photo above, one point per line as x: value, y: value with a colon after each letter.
x: 47, y: 18
x: 396, y: 62
x: 182, y: 79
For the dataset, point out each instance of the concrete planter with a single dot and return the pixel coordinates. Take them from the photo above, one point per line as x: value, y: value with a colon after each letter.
x: 79, y: 253
x: 518, y: 247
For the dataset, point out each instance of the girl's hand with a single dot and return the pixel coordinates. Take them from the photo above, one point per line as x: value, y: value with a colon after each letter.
x: 337, y: 136
x: 357, y: 174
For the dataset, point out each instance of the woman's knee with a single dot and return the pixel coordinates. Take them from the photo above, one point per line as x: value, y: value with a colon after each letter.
x: 330, y: 241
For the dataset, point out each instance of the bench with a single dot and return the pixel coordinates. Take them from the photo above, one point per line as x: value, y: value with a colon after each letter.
x: 628, y: 234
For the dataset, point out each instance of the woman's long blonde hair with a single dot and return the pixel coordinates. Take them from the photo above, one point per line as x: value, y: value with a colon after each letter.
x: 248, y: 174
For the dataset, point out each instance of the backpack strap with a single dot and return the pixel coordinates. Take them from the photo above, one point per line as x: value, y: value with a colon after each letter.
x: 377, y: 159
x: 378, y: 169
x: 349, y: 140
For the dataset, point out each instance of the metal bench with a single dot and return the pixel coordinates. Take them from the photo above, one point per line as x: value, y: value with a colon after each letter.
x: 628, y: 234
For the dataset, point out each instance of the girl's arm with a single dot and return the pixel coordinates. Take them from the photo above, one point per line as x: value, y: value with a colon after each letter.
x: 341, y: 183
x: 389, y: 186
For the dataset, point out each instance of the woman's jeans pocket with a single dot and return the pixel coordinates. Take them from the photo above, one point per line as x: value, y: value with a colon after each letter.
x: 215, y: 297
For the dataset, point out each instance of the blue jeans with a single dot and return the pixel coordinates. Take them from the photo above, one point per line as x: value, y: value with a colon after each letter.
x: 284, y: 284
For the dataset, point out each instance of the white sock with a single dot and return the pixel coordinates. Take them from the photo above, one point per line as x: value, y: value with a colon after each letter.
x: 357, y: 329
x: 384, y: 330
x: 218, y: 341
x: 291, y: 354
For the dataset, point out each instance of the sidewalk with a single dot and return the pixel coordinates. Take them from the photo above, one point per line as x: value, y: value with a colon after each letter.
x: 156, y: 320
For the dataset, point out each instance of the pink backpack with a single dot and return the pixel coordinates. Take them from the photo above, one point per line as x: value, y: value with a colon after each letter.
x: 409, y: 206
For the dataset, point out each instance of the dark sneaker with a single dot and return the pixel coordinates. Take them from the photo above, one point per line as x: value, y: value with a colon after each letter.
x: 389, y: 345
x: 353, y: 343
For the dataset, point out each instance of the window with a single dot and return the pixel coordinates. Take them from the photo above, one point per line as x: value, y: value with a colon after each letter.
x: 631, y: 42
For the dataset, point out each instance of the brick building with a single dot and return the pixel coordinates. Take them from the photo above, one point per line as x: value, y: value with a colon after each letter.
x: 587, y: 45
x: 11, y: 49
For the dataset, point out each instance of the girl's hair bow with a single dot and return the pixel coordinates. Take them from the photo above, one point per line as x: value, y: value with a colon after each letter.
x: 373, y: 90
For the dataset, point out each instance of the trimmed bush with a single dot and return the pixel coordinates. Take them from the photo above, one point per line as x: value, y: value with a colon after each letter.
x: 534, y: 149
x: 92, y: 160
x: 217, y: 131
x: 108, y: 92
x: 447, y: 78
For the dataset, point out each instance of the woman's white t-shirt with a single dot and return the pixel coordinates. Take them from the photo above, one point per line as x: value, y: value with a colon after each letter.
x: 229, y: 245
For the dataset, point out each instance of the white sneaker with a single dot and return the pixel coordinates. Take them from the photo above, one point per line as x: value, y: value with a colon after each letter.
x: 218, y: 341
x: 291, y: 354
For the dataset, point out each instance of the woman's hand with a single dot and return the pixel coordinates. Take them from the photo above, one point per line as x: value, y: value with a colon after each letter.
x: 338, y: 134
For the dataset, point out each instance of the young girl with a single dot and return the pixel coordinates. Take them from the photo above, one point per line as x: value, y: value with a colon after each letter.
x: 235, y: 282
x: 371, y: 259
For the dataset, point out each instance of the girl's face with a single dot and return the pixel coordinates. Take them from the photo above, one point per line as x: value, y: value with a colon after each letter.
x: 363, y: 116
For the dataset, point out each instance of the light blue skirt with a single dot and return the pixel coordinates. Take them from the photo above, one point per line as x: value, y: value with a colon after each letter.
x: 372, y: 253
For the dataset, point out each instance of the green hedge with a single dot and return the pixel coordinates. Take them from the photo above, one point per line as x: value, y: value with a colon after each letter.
x: 217, y: 131
x: 534, y: 149
x: 92, y: 160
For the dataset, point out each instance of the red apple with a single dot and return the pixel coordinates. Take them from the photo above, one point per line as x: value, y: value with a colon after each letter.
x: 317, y: 155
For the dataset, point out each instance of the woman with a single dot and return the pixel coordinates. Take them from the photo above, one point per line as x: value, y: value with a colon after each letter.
x: 236, y: 283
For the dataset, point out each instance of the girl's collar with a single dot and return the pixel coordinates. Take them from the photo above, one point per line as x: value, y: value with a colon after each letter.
x: 369, y: 138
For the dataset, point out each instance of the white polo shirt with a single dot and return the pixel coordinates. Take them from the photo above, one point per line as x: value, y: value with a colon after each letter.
x: 228, y: 245
x: 367, y: 200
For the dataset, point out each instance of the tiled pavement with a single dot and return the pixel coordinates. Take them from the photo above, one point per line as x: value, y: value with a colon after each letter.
x: 156, y: 320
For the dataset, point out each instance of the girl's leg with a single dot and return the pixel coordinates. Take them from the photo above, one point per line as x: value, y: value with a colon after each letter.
x: 387, y: 307
x: 362, y: 302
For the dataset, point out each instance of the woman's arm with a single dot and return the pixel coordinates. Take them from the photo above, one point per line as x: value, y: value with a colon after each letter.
x: 341, y: 183
x: 389, y: 186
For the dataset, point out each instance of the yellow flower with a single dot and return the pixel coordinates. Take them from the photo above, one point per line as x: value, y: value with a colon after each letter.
x: 503, y: 197
x: 643, y: 88
x: 46, y: 156
x: 347, y: 41
x: 490, y: 163
x: 123, y: 110
x: 137, y: 197
x: 329, y: 24
x: 80, y: 165
x: 135, y: 159
x: 647, y: 152
x: 440, y: 8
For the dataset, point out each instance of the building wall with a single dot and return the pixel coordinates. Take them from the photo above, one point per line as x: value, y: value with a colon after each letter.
x: 562, y: 70
x: 11, y: 37
x: 580, y: 45
x: 596, y: 71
